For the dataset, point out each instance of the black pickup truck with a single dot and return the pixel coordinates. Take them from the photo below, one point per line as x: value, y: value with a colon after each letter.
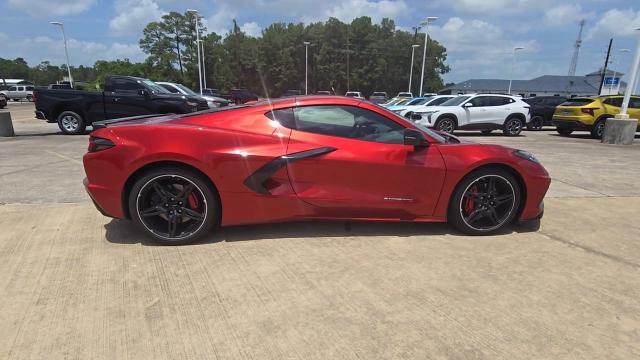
x: 123, y: 96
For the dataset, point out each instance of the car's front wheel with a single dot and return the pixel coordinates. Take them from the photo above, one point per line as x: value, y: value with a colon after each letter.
x: 174, y: 205
x: 446, y: 124
x: 485, y: 201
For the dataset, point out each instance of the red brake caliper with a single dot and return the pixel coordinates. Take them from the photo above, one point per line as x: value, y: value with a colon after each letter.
x: 469, y: 204
x: 193, y: 201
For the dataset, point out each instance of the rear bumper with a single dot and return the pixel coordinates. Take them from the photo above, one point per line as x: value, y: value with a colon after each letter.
x: 558, y: 121
x: 101, y: 198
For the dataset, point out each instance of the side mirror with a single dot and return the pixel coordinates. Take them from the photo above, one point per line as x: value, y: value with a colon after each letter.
x: 143, y: 92
x: 415, y: 138
x: 416, y: 117
x: 468, y: 104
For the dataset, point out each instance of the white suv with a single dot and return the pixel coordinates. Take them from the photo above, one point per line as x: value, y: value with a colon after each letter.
x: 486, y: 112
x: 429, y: 102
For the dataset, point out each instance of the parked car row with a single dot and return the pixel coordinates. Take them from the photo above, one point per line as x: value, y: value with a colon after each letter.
x: 3, y: 101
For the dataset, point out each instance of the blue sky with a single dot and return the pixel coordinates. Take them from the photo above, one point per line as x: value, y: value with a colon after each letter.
x: 479, y: 34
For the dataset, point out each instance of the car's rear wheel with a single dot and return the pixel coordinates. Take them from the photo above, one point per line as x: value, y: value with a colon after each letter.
x: 598, y: 129
x: 536, y: 123
x: 512, y: 127
x: 30, y: 98
x: 485, y: 201
x: 71, y: 123
x: 446, y: 124
x: 174, y: 205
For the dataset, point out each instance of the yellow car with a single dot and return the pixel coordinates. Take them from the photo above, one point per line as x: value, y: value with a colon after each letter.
x: 590, y: 113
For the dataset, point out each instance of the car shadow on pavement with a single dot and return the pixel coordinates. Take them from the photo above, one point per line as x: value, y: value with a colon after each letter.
x: 125, y: 232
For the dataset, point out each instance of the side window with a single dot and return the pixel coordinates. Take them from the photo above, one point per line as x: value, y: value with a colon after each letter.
x: 348, y: 122
x: 13, y: 88
x: 29, y: 88
x: 479, y: 101
x: 617, y: 101
x: 437, y: 101
x: 634, y: 103
x: 285, y: 117
x: 20, y: 88
x: 126, y: 86
x: 170, y: 88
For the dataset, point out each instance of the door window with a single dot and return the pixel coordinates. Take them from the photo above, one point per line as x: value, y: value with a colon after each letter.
x: 616, y: 101
x: 342, y: 121
x: 13, y: 88
x: 634, y: 103
x: 126, y: 86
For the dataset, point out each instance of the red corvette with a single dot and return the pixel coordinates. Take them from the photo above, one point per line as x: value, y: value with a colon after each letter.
x: 317, y: 157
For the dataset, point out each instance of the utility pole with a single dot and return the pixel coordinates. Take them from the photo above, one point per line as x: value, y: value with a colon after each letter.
x: 606, y: 63
x: 513, y: 63
x: 424, y: 51
x: 576, y: 51
x: 197, y: 15
x: 66, y: 52
x: 413, y: 49
x: 306, y: 67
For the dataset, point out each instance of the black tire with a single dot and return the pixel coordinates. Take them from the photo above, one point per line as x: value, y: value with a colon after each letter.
x: 486, y: 131
x: 30, y: 98
x: 563, y: 131
x: 146, y: 202
x: 598, y: 129
x: 467, y: 212
x: 536, y: 123
x: 71, y: 123
x: 446, y: 124
x: 513, y: 126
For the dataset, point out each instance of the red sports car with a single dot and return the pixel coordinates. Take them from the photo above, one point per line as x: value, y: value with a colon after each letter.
x: 316, y: 157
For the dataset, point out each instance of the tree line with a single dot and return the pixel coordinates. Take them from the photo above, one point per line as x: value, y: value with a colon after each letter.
x: 358, y: 56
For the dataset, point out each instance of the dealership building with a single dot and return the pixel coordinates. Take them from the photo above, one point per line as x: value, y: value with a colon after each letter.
x: 547, y: 85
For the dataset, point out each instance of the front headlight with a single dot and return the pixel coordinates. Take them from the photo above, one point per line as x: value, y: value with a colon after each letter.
x: 192, y: 104
x: 526, y: 155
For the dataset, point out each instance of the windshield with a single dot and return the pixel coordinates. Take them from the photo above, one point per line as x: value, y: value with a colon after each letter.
x: 455, y: 101
x: 155, y: 87
x: 418, y: 101
x: 187, y: 90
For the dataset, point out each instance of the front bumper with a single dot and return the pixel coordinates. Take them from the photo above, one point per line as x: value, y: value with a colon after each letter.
x: 40, y: 115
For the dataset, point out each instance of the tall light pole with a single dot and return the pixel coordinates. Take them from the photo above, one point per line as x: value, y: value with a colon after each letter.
x: 306, y: 68
x: 615, y: 72
x: 424, y: 51
x: 413, y: 49
x: 632, y: 80
x: 197, y: 15
x: 513, y: 64
x: 204, y: 67
x: 66, y: 52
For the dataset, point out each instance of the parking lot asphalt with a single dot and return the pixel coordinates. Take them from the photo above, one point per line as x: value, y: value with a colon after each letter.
x: 78, y: 285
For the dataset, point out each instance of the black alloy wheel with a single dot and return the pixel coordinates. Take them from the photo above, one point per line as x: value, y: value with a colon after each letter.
x: 485, y: 202
x: 512, y: 127
x: 598, y: 129
x: 536, y: 123
x: 174, y: 206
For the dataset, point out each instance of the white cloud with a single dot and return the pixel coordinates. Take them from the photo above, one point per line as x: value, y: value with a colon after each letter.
x: 46, y: 8
x: 349, y: 9
x: 616, y: 22
x: 251, y: 29
x: 133, y: 15
x: 220, y: 22
x: 478, y: 47
x: 489, y: 7
x: 44, y: 48
x: 565, y: 14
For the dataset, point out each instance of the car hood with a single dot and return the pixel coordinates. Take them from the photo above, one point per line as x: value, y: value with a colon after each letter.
x: 215, y: 98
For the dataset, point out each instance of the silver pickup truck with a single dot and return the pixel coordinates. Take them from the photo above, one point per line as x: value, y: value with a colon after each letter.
x: 19, y: 92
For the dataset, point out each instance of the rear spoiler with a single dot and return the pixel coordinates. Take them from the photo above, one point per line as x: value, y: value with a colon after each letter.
x: 105, y: 123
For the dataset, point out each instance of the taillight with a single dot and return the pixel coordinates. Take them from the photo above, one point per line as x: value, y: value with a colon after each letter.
x: 589, y: 111
x: 99, y: 144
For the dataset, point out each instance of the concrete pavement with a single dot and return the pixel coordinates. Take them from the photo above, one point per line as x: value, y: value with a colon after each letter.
x: 79, y: 285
